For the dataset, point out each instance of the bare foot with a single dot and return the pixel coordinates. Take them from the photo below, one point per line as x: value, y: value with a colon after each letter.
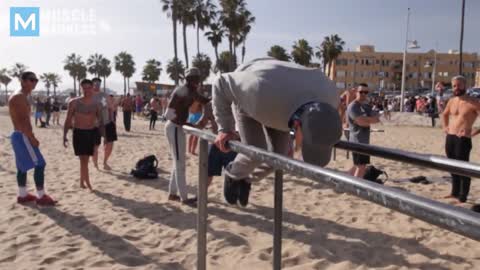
x: 193, y: 153
x: 106, y: 167
x: 450, y: 197
x: 82, y: 185
x: 95, y: 164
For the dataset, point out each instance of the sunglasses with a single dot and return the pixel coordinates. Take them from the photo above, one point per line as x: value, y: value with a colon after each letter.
x: 33, y: 79
x: 363, y: 92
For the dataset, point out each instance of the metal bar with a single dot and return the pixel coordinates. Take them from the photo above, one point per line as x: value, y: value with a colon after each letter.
x: 277, y: 229
x: 452, y: 218
x: 430, y: 161
x: 202, y: 195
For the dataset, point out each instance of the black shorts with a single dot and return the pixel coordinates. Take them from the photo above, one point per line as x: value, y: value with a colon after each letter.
x: 98, y: 137
x: 110, y: 132
x: 359, y: 159
x: 84, y: 141
x: 218, y: 160
x: 153, y: 115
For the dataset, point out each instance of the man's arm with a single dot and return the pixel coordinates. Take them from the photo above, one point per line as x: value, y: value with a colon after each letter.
x: 171, y: 112
x: 445, y: 117
x: 68, y: 121
x: 222, y: 106
x: 355, y: 113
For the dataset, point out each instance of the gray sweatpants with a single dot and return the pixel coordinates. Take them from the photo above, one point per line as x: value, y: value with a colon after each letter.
x: 176, y: 140
x: 255, y: 134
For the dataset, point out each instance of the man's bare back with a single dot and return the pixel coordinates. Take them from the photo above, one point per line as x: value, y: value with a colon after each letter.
x: 19, y: 109
x: 460, y: 115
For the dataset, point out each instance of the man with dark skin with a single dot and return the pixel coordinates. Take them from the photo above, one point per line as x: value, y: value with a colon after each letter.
x: 128, y: 105
x: 25, y: 144
x: 458, y: 119
x: 82, y: 115
x: 177, y: 113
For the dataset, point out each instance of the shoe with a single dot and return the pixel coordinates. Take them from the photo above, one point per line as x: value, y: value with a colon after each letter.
x: 172, y: 197
x: 46, y: 201
x: 29, y: 198
x: 244, y: 192
x: 190, y: 202
x: 230, y: 190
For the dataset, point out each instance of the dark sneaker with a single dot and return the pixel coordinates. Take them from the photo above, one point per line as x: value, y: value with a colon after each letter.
x: 243, y: 192
x: 230, y: 190
x: 172, y: 197
x: 192, y: 202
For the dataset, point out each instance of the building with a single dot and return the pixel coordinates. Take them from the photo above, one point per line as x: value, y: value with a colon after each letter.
x: 149, y: 89
x: 477, y: 78
x: 383, y: 70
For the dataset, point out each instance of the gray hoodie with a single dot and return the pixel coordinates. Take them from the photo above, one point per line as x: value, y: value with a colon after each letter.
x: 269, y: 91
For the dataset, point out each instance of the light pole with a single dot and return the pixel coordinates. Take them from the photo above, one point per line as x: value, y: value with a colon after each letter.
x: 460, y: 66
x: 434, y: 70
x: 404, y: 66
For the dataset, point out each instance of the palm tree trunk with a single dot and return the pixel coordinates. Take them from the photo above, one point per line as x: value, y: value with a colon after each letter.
x: 216, y: 53
x: 198, y: 39
x: 48, y: 92
x: 128, y: 84
x: 104, y: 84
x: 54, y: 91
x: 6, y: 94
x: 124, y: 86
x: 243, y: 51
x: 185, y: 49
x: 174, y: 22
x: 230, y: 45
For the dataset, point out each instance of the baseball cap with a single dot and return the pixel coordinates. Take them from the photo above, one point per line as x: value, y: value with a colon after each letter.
x: 191, y: 72
x: 322, y: 129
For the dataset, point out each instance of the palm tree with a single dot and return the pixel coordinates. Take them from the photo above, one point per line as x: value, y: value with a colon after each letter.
x: 5, y: 80
x: 204, y: 12
x: 329, y: 50
x: 278, y: 53
x: 223, y: 63
x: 215, y: 36
x: 172, y: 8
x: 232, y: 19
x: 105, y: 71
x: 55, y: 80
x: 94, y: 64
x: 82, y: 72
x: 126, y: 66
x: 176, y: 69
x: 17, y: 70
x: 204, y: 64
x: 302, y: 52
x: 186, y: 17
x: 246, y: 25
x: 151, y: 71
x: 75, y: 66
x: 45, y: 77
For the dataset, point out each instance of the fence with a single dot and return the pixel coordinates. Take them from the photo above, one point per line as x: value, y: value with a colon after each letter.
x: 456, y: 219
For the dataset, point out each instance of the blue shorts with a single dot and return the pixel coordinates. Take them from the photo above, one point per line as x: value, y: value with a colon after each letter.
x: 26, y: 156
x: 138, y: 108
x: 218, y: 160
x: 193, y: 118
x: 38, y: 115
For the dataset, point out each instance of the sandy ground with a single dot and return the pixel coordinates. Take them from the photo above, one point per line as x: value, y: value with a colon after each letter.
x: 129, y: 224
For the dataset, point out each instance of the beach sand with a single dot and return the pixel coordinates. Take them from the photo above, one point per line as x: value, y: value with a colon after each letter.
x: 129, y: 224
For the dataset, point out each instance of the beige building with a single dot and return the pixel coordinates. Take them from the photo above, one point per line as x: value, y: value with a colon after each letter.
x: 477, y: 78
x: 383, y: 70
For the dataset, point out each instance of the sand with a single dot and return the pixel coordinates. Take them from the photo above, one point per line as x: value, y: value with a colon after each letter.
x: 129, y: 224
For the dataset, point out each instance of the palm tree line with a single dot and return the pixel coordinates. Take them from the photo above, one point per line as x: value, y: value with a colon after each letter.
x: 302, y: 53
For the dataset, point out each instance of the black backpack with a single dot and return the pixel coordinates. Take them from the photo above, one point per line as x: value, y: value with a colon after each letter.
x: 372, y: 174
x: 146, y: 168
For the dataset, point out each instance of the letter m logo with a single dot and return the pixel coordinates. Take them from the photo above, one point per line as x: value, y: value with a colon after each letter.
x: 24, y: 21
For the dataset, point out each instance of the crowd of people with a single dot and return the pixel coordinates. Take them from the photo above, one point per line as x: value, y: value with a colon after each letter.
x: 306, y: 120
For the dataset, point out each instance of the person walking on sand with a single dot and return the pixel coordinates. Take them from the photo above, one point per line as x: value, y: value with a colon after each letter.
x: 110, y: 134
x: 25, y: 145
x: 128, y: 106
x: 82, y: 115
x: 458, y: 119
x: 154, y: 110
x: 177, y: 113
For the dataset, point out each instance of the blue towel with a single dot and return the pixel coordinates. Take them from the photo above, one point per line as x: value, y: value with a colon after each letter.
x: 26, y: 156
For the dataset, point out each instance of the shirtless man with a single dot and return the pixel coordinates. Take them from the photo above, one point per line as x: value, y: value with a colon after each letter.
x: 347, y: 97
x: 458, y: 118
x: 84, y: 112
x: 25, y: 145
x: 128, y: 106
x: 177, y: 113
x: 154, y: 110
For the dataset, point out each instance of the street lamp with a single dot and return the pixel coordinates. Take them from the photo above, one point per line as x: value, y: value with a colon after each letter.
x: 409, y: 44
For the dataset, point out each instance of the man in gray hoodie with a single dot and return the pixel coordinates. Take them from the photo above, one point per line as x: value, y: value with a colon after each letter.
x: 278, y: 97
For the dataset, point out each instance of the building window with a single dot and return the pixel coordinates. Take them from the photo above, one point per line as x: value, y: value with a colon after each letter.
x: 427, y: 75
x: 340, y: 85
x: 340, y: 73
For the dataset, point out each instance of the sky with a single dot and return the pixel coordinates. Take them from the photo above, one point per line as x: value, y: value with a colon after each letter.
x: 143, y: 30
